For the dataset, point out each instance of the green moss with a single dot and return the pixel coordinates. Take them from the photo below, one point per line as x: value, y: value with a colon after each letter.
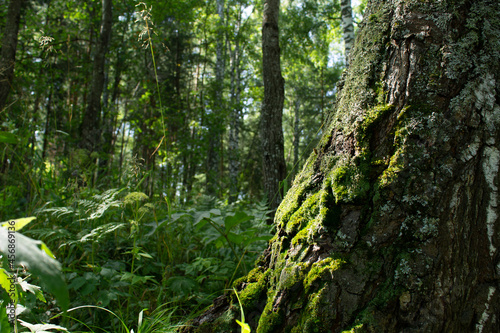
x: 225, y: 323
x: 372, y: 119
x: 253, y: 291
x: 349, y: 180
x: 270, y: 320
x: 291, y: 202
x: 317, y: 315
x: 303, y: 235
x: 307, y: 210
x: 357, y: 328
x: 291, y: 276
x: 321, y: 268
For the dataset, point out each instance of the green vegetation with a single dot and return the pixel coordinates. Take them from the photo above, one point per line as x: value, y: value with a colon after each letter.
x: 131, y: 232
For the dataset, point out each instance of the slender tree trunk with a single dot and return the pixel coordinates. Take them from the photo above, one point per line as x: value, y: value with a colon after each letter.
x: 393, y: 224
x: 216, y: 128
x: 234, y: 130
x: 47, y: 126
x: 347, y: 28
x: 296, y: 136
x: 8, y: 51
x: 90, y: 128
x: 274, y: 167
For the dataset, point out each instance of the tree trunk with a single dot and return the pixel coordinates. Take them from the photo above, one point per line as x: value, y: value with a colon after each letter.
x: 273, y: 160
x: 216, y: 128
x: 296, y: 135
x: 90, y: 128
x: 393, y: 224
x: 8, y: 51
x: 234, y: 130
x: 347, y: 28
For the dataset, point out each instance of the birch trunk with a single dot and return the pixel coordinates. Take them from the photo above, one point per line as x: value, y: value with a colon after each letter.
x: 347, y: 28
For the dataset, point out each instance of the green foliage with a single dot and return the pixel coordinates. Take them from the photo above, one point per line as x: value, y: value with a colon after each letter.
x: 127, y: 252
x: 35, y: 256
x: 131, y: 223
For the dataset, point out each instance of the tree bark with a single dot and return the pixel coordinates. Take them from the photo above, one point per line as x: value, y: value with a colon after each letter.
x: 234, y: 130
x: 347, y: 28
x: 8, y: 50
x: 296, y: 135
x: 90, y: 128
x: 393, y: 224
x: 273, y: 160
x: 214, y: 155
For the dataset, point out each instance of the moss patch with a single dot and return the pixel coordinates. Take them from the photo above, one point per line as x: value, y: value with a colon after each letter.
x: 320, y: 269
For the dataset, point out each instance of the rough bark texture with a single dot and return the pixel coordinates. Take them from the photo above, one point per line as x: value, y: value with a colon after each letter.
x: 273, y: 159
x: 347, y: 28
x: 90, y: 127
x: 393, y: 224
x: 8, y: 47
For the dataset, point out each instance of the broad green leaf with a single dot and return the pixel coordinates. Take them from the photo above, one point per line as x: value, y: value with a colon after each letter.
x: 28, y: 253
x: 200, y: 216
x: 41, y: 328
x: 236, y: 219
x: 260, y: 238
x: 7, y: 137
x: 235, y: 238
x: 181, y: 284
x: 18, y: 224
x: 5, y: 282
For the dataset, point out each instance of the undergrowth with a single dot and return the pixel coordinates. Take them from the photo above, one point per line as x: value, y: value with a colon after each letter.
x: 127, y: 256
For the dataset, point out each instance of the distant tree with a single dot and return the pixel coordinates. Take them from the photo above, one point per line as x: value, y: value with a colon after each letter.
x: 90, y: 128
x: 347, y: 28
x: 216, y: 118
x: 273, y: 157
x: 8, y: 50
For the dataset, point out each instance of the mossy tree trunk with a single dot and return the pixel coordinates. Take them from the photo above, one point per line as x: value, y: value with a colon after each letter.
x: 393, y: 224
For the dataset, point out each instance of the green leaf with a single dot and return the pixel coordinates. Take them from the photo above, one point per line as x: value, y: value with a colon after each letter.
x: 18, y: 224
x: 245, y: 328
x: 260, y: 238
x: 7, y: 137
x: 28, y: 253
x: 235, y: 238
x: 236, y: 219
x: 4, y: 280
x: 181, y: 284
x: 4, y: 319
x: 135, y: 279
